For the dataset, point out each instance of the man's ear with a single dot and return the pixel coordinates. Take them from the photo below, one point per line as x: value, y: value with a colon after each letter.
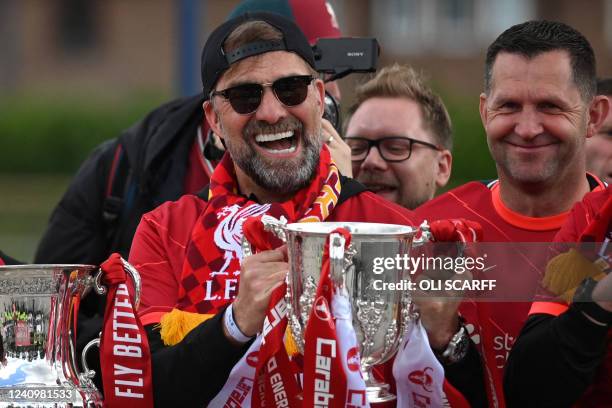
x: 320, y: 88
x: 212, y: 117
x: 598, y: 112
x: 445, y: 165
x: 482, y: 108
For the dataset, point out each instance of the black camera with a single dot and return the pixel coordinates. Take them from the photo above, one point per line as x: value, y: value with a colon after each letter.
x: 339, y: 57
x: 342, y: 56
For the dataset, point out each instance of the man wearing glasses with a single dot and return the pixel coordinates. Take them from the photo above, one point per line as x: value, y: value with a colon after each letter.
x: 264, y: 101
x: 400, y: 137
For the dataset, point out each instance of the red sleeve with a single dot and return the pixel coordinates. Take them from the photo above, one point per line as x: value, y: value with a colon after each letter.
x: 578, y: 219
x: 158, y: 251
x: 1, y: 262
x: 581, y: 215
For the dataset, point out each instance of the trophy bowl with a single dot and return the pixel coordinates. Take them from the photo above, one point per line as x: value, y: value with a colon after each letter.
x: 379, y: 316
x: 38, y: 312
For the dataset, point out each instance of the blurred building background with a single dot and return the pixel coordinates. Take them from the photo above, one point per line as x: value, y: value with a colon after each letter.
x: 76, y: 72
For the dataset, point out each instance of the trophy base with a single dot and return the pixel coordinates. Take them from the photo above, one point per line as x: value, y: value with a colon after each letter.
x: 35, y: 383
x: 379, y: 393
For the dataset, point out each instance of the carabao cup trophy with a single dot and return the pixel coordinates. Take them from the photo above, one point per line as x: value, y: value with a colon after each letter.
x: 379, y: 316
x: 38, y: 312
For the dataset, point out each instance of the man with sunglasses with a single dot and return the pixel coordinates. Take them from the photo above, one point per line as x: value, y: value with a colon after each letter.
x: 264, y: 101
x: 400, y: 137
x: 168, y: 153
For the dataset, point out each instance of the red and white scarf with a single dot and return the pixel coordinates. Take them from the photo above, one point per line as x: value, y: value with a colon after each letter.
x: 212, y: 263
x: 332, y: 375
x: 124, y: 348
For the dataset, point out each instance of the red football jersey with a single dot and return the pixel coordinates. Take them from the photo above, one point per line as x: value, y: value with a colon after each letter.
x: 494, y: 326
x: 160, y: 244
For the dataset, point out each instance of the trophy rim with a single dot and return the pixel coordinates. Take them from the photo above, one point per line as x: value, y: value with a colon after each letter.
x: 47, y: 266
x: 386, y: 230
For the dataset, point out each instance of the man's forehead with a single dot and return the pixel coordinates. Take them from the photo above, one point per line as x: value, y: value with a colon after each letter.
x: 555, y: 63
x: 372, y: 109
x: 546, y: 73
x: 265, y: 67
x: 387, y: 116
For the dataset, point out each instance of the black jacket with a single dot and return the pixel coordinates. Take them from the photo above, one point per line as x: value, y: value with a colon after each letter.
x: 87, y: 225
x: 90, y: 223
x: 554, y: 360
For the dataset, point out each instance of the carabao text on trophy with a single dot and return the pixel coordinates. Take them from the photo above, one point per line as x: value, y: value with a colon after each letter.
x: 379, y: 317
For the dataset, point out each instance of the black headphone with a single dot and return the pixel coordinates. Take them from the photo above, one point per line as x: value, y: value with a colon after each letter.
x: 332, y: 111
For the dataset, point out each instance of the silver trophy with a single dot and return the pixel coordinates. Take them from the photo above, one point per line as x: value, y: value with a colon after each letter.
x: 379, y: 316
x: 38, y: 312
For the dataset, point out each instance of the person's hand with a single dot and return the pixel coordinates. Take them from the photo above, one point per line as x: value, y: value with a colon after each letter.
x: 340, y: 151
x: 602, y: 294
x: 260, y: 274
x: 438, y: 308
x: 440, y: 320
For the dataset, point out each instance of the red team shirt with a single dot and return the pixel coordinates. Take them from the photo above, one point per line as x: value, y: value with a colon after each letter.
x: 494, y: 326
x: 159, y: 247
x: 158, y: 251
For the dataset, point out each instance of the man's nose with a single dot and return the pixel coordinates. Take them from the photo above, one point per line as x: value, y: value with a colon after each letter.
x: 270, y: 110
x: 374, y: 161
x: 529, y: 124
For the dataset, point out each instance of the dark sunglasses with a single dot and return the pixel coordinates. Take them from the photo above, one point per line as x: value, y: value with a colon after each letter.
x: 392, y: 148
x: 246, y: 98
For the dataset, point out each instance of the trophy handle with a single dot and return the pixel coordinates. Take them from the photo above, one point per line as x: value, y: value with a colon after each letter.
x: 271, y: 224
x: 337, y: 264
x: 425, y: 237
x: 132, y: 273
x: 88, y: 374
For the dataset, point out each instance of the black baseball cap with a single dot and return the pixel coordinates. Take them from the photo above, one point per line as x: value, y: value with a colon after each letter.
x: 215, y: 61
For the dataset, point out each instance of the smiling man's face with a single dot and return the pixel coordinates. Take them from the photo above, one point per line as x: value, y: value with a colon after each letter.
x: 410, y: 182
x: 535, y: 118
x: 276, y: 148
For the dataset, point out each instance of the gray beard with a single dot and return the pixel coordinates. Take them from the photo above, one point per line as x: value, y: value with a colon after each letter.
x: 286, y: 176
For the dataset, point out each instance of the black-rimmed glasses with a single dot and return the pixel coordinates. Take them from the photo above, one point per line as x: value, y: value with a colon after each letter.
x: 246, y: 98
x: 391, y: 149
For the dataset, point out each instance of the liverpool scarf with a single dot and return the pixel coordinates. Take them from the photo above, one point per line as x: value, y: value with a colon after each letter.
x: 212, y: 263
x: 332, y: 375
